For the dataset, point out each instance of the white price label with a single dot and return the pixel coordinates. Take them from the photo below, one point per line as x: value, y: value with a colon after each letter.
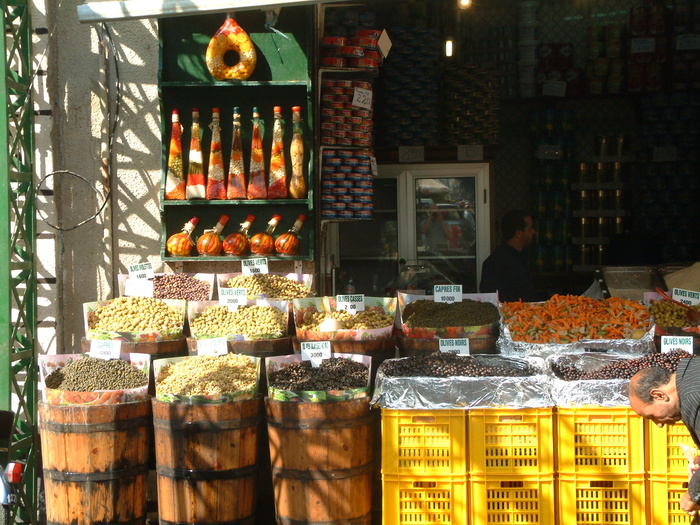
x: 672, y: 342
x: 411, y: 154
x: 447, y: 293
x: 254, y: 266
x: 665, y: 154
x: 689, y: 42
x: 362, y: 98
x: 688, y: 297
x: 351, y: 303
x: 373, y: 165
x: 141, y: 271
x: 460, y: 346
x: 138, y: 287
x: 212, y: 346
x: 105, y: 349
x: 554, y: 88
x: 384, y: 43
x: 233, y: 297
x: 316, y: 352
x: 643, y: 45
x: 473, y: 152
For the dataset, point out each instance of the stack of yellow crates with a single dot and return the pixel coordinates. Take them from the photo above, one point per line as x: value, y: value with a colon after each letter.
x: 667, y: 472
x: 600, y: 464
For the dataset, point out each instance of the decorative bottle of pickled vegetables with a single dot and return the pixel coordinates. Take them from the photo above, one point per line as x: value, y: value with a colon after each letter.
x: 236, y: 171
x: 257, y: 186
x: 297, y: 182
x: 175, y: 177
x: 238, y: 243
x: 288, y: 243
x: 209, y: 243
x: 262, y: 243
x: 277, y: 185
x: 180, y: 244
x: 195, y: 168
x: 216, y: 182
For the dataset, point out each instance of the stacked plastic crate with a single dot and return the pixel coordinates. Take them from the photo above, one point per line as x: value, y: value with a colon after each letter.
x: 667, y: 472
x: 511, y: 466
x: 600, y: 454
x: 424, y: 466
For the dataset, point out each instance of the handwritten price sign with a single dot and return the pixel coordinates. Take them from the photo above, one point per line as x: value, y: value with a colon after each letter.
x: 141, y: 271
x: 362, y: 98
x: 316, y: 352
x: 103, y: 349
x: 461, y: 346
x: 254, y: 266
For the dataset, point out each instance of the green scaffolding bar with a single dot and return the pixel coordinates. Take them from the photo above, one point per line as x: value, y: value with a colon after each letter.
x: 17, y: 249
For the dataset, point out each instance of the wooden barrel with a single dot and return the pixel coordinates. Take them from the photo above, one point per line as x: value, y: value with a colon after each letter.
x: 206, y: 462
x: 322, y: 461
x: 95, y: 460
x: 409, y: 346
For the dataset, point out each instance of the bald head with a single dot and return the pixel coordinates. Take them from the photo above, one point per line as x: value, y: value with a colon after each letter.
x: 647, y: 379
x: 653, y: 395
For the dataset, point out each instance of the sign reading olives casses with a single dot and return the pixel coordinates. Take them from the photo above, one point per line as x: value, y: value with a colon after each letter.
x: 351, y: 303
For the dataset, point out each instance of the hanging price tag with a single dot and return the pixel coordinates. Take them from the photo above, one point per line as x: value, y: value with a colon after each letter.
x: 233, y: 297
x: 141, y: 271
x: 672, y: 342
x: 362, y: 98
x: 138, y: 287
x: 642, y: 45
x: 316, y: 352
x: 350, y: 303
x: 384, y: 43
x: 460, y: 346
x: 689, y: 42
x: 254, y: 266
x: 447, y: 293
x: 688, y: 297
x: 105, y: 349
x: 212, y: 346
x: 373, y: 165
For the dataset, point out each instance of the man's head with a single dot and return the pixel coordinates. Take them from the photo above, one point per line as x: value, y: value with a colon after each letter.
x: 517, y: 229
x: 653, y: 395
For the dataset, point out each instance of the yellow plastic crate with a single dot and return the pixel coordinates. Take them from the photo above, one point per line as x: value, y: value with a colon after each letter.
x: 664, y: 494
x: 511, y: 441
x: 527, y: 499
x: 599, y: 440
x: 424, y: 500
x: 424, y: 442
x: 601, y: 499
x: 663, y: 452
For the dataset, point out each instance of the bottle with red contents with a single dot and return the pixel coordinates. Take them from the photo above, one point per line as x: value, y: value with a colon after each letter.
x: 238, y: 243
x: 236, y: 172
x: 210, y: 243
x: 181, y: 244
x: 195, y: 170
x: 263, y: 243
x: 216, y: 183
x: 257, y: 187
x: 277, y: 184
x: 175, y: 177
x: 288, y: 243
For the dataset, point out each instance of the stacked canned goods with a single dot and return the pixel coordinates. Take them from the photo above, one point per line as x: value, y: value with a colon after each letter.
x: 346, y: 184
x: 605, y: 66
x: 649, y: 57
x: 360, y: 51
x: 471, y: 105
x: 346, y: 113
x: 528, y: 39
x: 499, y: 51
x: 410, y: 109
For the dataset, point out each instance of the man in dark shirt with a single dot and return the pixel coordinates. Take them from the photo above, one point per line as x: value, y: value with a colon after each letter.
x: 505, y: 270
x: 666, y: 398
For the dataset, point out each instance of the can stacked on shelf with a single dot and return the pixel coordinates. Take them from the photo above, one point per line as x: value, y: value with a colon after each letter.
x: 411, y: 103
x: 346, y: 184
x: 498, y: 51
x: 648, y: 47
x: 606, y: 58
x: 344, y: 123
x: 359, y: 51
x: 528, y: 39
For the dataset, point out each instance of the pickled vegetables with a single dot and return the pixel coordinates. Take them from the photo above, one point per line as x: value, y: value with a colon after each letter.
x: 230, y: 37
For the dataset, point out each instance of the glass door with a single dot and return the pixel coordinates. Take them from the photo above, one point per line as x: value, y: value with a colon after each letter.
x: 431, y: 225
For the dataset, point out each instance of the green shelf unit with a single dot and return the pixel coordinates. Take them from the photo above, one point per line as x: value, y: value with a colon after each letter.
x: 282, y: 77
